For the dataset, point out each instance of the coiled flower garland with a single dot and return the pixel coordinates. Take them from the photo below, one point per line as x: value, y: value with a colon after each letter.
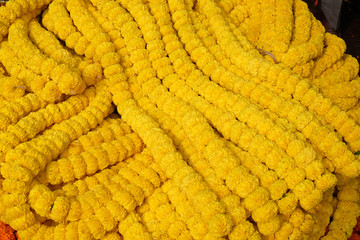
x: 211, y: 139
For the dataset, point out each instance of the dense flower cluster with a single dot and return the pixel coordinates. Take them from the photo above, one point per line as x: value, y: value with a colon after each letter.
x: 178, y: 119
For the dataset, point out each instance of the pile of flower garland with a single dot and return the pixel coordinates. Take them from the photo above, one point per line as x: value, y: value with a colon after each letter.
x: 178, y: 119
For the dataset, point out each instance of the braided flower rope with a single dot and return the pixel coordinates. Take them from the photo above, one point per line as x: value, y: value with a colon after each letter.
x: 178, y: 119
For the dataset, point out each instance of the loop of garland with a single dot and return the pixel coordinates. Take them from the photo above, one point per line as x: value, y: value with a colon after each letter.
x: 178, y: 119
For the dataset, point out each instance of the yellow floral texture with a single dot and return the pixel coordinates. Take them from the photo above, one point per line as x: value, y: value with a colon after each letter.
x: 178, y: 119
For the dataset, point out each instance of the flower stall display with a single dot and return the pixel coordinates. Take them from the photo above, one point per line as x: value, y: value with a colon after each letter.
x: 178, y: 119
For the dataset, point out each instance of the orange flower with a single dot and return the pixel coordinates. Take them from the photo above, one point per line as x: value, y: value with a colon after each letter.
x: 7, y: 233
x: 356, y: 232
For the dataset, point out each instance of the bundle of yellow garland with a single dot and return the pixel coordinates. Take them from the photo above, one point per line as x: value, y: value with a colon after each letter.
x: 178, y: 119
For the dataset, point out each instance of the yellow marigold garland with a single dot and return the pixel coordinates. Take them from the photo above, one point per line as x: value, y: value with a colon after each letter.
x: 12, y: 111
x: 111, y: 129
x: 248, y: 113
x: 264, y: 102
x: 161, y: 219
x: 67, y: 81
